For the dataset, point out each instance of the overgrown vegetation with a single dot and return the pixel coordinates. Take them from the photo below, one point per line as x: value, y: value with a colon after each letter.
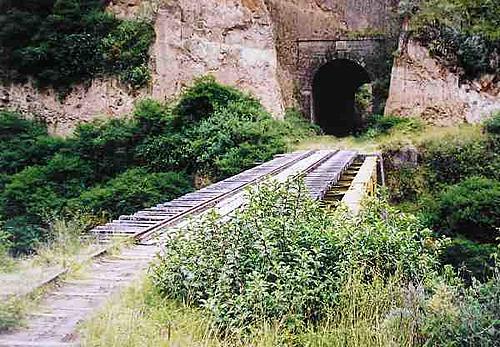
x: 286, y: 272
x: 59, y: 43
x: 378, y: 125
x: 284, y: 258
x: 464, y: 34
x: 113, y: 167
x: 453, y: 182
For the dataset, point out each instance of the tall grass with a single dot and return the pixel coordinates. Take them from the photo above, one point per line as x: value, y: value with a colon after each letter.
x: 365, y: 315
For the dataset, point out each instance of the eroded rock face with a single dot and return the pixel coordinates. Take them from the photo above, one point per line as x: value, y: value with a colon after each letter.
x: 103, y: 98
x: 422, y: 87
x: 230, y: 39
x: 125, y: 8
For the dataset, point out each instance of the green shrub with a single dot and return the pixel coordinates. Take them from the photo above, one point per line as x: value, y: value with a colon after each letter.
x: 63, y: 42
x: 457, y: 316
x: 107, y: 144
x: 204, y: 97
x: 451, y: 159
x: 377, y: 125
x: 24, y: 143
x: 234, y: 138
x: 470, y: 208
x: 284, y: 257
x: 131, y: 191
x: 6, y: 261
x: 470, y: 259
x: 296, y: 127
x: 24, y: 234
x: 492, y: 125
x: 461, y: 33
x: 153, y: 118
x: 40, y: 191
x: 126, y: 51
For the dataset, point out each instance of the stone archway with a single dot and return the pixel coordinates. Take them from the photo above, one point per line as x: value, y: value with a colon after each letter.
x: 334, y: 88
x: 367, y: 56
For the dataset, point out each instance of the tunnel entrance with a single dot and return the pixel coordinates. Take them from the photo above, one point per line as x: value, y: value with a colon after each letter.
x: 334, y: 93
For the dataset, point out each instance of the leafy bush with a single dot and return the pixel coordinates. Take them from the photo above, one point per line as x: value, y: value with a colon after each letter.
x: 62, y: 42
x: 204, y: 97
x: 24, y: 143
x: 470, y: 208
x: 377, y: 125
x: 283, y: 257
x: 131, y: 191
x: 492, y: 125
x: 39, y: 191
x: 470, y: 259
x: 107, y: 144
x: 234, y: 138
x: 418, y: 169
x: 456, y: 316
x: 462, y: 33
x: 452, y: 159
x: 126, y: 51
x: 24, y: 234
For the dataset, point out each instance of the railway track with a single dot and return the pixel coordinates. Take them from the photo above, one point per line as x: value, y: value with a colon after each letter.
x: 55, y: 321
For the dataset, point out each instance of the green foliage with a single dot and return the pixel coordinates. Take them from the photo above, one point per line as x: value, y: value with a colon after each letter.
x: 233, y: 138
x: 463, y: 33
x: 24, y: 235
x: 441, y: 183
x: 469, y: 258
x: 11, y: 313
x: 492, y: 125
x: 377, y: 125
x: 455, y: 316
x: 23, y: 143
x: 204, y: 97
x: 107, y: 144
x: 452, y: 159
x: 284, y: 257
x: 62, y: 42
x: 120, y: 165
x: 439, y: 161
x: 6, y: 262
x: 131, y: 191
x: 126, y: 49
x: 470, y: 208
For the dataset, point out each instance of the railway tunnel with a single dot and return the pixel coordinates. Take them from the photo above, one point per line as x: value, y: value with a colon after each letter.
x: 334, y: 93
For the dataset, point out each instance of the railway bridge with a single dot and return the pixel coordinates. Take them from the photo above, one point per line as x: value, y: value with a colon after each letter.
x: 330, y: 175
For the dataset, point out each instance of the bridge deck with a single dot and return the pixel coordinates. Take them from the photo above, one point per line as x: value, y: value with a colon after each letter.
x: 54, y: 322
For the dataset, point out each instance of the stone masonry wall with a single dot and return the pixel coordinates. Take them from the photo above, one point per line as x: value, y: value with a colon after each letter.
x: 296, y: 20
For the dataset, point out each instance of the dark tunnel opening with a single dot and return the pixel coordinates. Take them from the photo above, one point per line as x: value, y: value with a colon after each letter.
x: 334, y: 91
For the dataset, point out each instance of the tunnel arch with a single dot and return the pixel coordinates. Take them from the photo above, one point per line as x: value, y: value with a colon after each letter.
x: 334, y: 88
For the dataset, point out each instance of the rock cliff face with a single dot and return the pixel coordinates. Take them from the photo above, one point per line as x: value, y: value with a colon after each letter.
x: 422, y: 87
x: 268, y: 48
x: 103, y: 98
x: 230, y: 39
